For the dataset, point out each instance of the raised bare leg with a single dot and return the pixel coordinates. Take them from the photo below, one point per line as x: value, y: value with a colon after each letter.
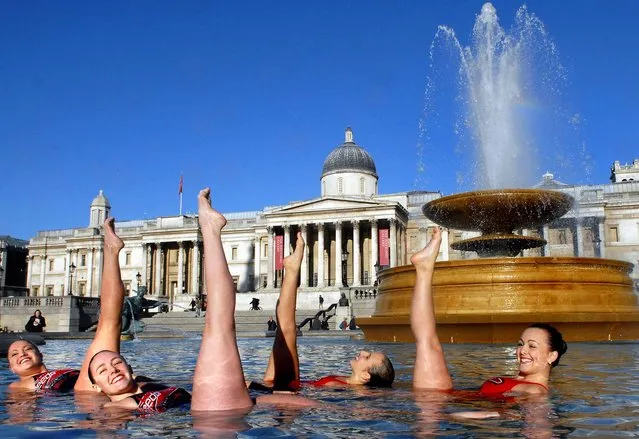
x: 283, y: 370
x: 430, y: 370
x: 107, y: 334
x: 218, y: 383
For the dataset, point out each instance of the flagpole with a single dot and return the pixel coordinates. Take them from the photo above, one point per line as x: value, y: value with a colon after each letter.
x: 180, y: 203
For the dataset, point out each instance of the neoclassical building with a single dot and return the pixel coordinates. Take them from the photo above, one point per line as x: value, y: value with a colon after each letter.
x: 351, y: 230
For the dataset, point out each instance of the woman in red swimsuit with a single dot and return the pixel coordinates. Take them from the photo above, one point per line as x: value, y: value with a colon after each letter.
x: 539, y: 350
x: 25, y: 359
x: 282, y: 372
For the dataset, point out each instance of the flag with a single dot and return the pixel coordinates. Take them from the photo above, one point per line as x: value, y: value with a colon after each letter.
x: 180, y: 186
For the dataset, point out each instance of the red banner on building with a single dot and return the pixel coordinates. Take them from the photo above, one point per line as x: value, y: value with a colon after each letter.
x: 384, y: 247
x: 279, y: 252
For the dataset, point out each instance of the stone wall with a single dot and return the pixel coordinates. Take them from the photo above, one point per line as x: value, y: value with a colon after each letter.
x: 62, y: 313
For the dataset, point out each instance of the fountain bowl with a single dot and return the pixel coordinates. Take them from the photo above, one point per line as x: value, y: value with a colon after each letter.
x: 498, y: 211
x: 492, y: 300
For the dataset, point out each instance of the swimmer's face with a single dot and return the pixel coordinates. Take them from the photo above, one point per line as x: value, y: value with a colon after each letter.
x: 23, y: 357
x: 112, y: 374
x: 364, y: 361
x: 533, y: 352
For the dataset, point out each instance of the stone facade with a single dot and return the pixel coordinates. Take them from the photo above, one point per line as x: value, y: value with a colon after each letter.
x: 341, y: 228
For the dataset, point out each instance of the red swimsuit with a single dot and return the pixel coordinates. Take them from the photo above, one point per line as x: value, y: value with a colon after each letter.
x: 500, y: 385
x: 60, y: 380
x: 322, y: 382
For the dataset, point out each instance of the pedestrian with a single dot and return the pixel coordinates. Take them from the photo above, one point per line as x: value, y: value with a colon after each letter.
x: 344, y: 325
x: 321, y: 302
x: 198, y: 307
x: 271, y: 324
x: 36, y: 322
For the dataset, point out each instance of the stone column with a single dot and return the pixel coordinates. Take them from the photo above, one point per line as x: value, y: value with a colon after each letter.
x: 374, y: 251
x: 545, y: 233
x: 304, y: 268
x: 180, y: 280
x: 357, y: 278
x: 157, y: 283
x: 320, y: 256
x: 287, y: 240
x: 90, y: 273
x: 445, y: 246
x: 256, y: 263
x: 393, y: 242
x: 195, y: 268
x: 271, y: 253
x: 67, y: 273
x: 98, y: 268
x: 602, y: 240
x: 145, y: 266
x: 580, y: 238
x: 43, y: 268
x: 338, y: 254
x: 29, y: 272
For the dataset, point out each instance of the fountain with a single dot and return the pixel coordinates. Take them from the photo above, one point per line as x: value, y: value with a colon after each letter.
x: 491, y: 299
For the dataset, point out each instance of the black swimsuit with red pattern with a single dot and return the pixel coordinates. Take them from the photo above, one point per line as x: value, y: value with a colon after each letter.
x: 61, y: 380
x: 158, y: 398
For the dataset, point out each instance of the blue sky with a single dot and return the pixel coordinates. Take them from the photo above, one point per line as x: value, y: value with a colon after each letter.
x: 250, y: 97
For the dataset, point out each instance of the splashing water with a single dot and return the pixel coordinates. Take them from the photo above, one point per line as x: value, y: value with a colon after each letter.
x: 510, y: 96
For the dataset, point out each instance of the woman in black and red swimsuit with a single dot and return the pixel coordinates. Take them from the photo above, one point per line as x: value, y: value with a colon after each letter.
x: 539, y: 350
x: 25, y: 359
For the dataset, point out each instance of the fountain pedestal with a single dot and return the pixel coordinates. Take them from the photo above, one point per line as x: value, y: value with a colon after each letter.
x: 492, y: 299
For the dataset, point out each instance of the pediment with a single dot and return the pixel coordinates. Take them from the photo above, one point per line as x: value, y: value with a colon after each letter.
x: 329, y: 204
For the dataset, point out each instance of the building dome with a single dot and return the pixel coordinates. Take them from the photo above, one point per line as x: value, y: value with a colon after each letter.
x: 100, y: 201
x: 349, y: 157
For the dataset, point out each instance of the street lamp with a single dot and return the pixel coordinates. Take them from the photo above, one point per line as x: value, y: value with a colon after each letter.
x: 344, y: 262
x: 139, y: 278
x: 71, y: 270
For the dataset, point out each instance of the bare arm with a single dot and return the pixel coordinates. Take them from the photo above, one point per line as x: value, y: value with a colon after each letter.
x: 431, y: 371
x: 283, y: 364
x: 107, y: 334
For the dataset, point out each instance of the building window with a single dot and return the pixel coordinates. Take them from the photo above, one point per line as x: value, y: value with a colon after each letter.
x: 36, y: 290
x: 173, y: 257
x: 234, y: 253
x: 49, y: 290
x: 613, y: 234
x: 561, y: 236
x: 265, y: 252
x: 83, y: 260
x: 127, y: 258
x: 50, y: 264
x: 340, y: 185
x: 323, y: 188
x: 236, y: 281
x: 82, y: 288
x: 127, y: 288
x: 361, y: 185
x: 264, y: 280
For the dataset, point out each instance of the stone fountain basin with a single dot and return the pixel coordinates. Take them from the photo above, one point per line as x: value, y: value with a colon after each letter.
x: 498, y: 211
x: 492, y: 300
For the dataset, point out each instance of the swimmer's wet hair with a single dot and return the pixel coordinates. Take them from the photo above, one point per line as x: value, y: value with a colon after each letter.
x: 555, y: 340
x: 382, y: 375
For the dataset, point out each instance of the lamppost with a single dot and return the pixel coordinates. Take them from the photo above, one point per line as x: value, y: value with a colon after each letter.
x: 71, y: 271
x: 139, y: 278
x: 377, y: 269
x: 344, y: 273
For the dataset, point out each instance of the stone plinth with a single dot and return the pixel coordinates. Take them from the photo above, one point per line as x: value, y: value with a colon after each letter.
x: 62, y: 313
